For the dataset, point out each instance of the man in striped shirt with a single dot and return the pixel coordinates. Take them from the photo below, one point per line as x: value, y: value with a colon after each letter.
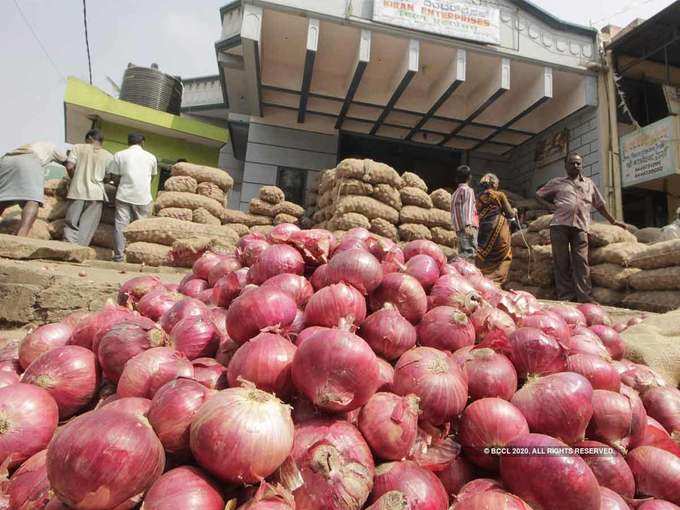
x: 464, y: 215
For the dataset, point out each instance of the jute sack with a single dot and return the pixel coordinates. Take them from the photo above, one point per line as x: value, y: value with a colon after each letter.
x: 179, y: 213
x: 185, y: 252
x: 612, y: 276
x: 348, y: 221
x: 444, y: 237
x: 540, y: 223
x: 387, y: 195
x: 181, y: 183
x: 384, y: 228
x: 103, y: 236
x: 350, y: 187
x: 448, y: 251
x: 530, y: 238
x: 414, y: 181
x: 537, y: 252
x: 380, y: 173
x: 189, y: 201
x: 253, y: 220
x: 57, y: 187
x: 284, y: 218
x: 649, y: 235
x: 327, y: 181
x: 261, y: 229
x: 667, y: 278
x: 439, y: 218
x: 413, y: 231
x: 441, y: 199
x: 525, y: 204
x: 272, y: 194
x: 339, y: 234
x: 40, y: 229
x: 369, y: 207
x: 617, y: 253
x: 539, y: 274
x: 428, y: 217
x: 415, y: 196
x: 234, y: 216
x: 150, y: 254
x: 289, y: 208
x: 211, y: 190
x: 168, y: 230
x: 329, y: 197
x: 656, y: 343
x: 239, y: 228
x: 601, y: 234
x: 53, y: 209
x: 659, y: 301
x: 203, y: 216
x: 608, y: 297
x: 261, y: 207
x: 663, y: 254
x: 534, y: 214
x: 204, y: 174
x: 56, y: 229
x: 350, y: 168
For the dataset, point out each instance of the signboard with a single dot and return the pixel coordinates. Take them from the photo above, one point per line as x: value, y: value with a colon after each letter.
x: 672, y: 98
x: 651, y: 152
x: 552, y: 148
x: 452, y: 18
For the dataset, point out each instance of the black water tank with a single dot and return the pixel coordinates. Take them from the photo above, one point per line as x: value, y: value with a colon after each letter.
x: 150, y: 87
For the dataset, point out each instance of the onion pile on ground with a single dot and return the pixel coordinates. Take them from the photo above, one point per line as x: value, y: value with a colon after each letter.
x: 303, y: 373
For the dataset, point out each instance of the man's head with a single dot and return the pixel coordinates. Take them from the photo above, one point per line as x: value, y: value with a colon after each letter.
x: 463, y: 174
x: 136, y: 139
x: 573, y: 165
x: 94, y: 136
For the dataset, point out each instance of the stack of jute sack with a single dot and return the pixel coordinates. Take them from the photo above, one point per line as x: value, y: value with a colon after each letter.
x: 532, y: 261
x: 52, y: 211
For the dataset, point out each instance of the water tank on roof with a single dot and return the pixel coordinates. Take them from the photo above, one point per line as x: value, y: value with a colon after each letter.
x: 148, y: 86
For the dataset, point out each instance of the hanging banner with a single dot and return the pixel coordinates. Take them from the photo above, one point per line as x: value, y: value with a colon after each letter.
x: 651, y: 152
x: 452, y: 18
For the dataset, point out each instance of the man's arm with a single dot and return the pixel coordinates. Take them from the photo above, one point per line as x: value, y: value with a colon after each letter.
x: 71, y: 160
x: 601, y: 207
x: 545, y: 196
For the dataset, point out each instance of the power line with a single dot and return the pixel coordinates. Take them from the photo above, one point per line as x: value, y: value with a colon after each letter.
x: 35, y: 36
x: 626, y: 8
x: 87, y: 41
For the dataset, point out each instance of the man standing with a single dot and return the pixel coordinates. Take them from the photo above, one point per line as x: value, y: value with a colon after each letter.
x: 86, y: 164
x: 135, y: 168
x: 571, y: 199
x: 464, y: 215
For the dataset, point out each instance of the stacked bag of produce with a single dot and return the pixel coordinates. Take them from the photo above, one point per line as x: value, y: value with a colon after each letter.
x: 532, y: 262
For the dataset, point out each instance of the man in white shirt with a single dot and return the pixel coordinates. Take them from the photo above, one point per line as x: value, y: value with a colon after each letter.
x: 135, y: 168
x: 86, y: 164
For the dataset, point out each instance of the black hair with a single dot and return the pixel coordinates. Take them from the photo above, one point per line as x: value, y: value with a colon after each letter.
x: 181, y: 160
x: 95, y: 135
x: 463, y: 173
x: 135, y: 138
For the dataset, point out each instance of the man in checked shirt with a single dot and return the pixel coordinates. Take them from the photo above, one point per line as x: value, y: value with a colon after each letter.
x: 464, y: 215
x: 571, y: 199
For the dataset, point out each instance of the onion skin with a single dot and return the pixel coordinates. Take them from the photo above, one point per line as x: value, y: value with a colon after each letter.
x: 136, y: 406
x: 28, y: 487
x: 389, y: 424
x: 656, y: 435
x: 554, y: 482
x: 535, y: 353
x: 8, y: 378
x: 227, y: 264
x: 41, y: 340
x: 172, y: 410
x: 85, y: 333
x: 296, y: 286
x: 478, y: 486
x: 193, y: 287
x: 103, y: 458
x: 657, y: 504
x: 319, y: 277
x: 266, y: 362
x: 404, y: 292
x: 185, y: 487
x: 392, y: 500
x: 551, y: 324
x: 258, y: 309
x: 489, y: 373
x: 436, y: 379
x: 135, y: 289
x: 611, y: 340
x: 276, y: 259
x: 496, y: 500
x: 639, y: 377
x: 570, y: 314
x: 582, y: 344
x: 357, y: 268
x: 594, y: 314
x: 663, y: 404
x: 424, y: 247
x: 336, y: 370
x: 488, y: 423
x: 611, y: 471
x: 454, y: 290
x: 335, y: 305
x: 241, y: 435
x: 423, y: 268
x: 456, y: 475
x: 656, y: 472
x: 422, y: 489
x: 226, y: 289
x: 69, y: 373
x: 601, y: 374
x: 385, y: 375
x: 638, y: 418
x: 315, y: 244
x: 445, y: 328
x: 558, y: 405
x: 490, y: 321
x: 204, y: 263
x: 155, y: 304
x: 144, y: 374
x: 195, y: 337
x: 210, y: 373
x: 388, y: 333
x: 250, y: 247
x: 612, y: 418
x: 188, y: 307
x: 270, y: 497
x: 611, y: 500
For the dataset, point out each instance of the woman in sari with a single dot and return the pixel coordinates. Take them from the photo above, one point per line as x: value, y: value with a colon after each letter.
x: 494, y: 252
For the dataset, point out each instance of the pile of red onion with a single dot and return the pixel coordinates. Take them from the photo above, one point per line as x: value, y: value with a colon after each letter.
x: 304, y: 372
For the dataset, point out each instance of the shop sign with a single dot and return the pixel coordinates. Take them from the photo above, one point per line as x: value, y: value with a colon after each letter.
x: 650, y: 153
x: 452, y: 18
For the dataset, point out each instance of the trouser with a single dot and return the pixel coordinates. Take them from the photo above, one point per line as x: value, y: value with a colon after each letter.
x: 570, y: 257
x: 81, y: 221
x: 125, y: 214
x: 467, y: 245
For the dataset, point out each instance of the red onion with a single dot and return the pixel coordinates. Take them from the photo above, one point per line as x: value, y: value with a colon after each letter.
x: 620, y: 327
x: 424, y: 247
x: 241, y: 435
x: 73, y: 319
x: 656, y: 435
x: 28, y: 488
x: 657, y: 504
x: 296, y: 286
x: 601, y: 374
x: 172, y: 410
x: 570, y: 314
x: 584, y: 344
x: 266, y: 362
x: 297, y: 325
x: 386, y: 375
x: 479, y: 486
x: 488, y: 423
x: 557, y: 404
x: 124, y: 341
x: 69, y: 373
x: 277, y: 259
x: 8, y: 378
x: 281, y: 233
x: 316, y: 245
x: 551, y: 324
x: 610, y: 469
x: 391, y: 500
x: 41, y: 340
x: 456, y: 475
x: 445, y: 328
x: 594, y: 314
x: 319, y: 278
x: 535, y: 353
x: 135, y: 406
x: 486, y: 288
x: 185, y: 487
x: 388, y: 333
x: 336, y: 370
x: 422, y: 489
x: 435, y: 377
x: 226, y: 350
x: 155, y: 304
x: 404, y: 292
x: 612, y: 418
x: 135, y: 289
x: 392, y: 261
x: 103, y: 458
x: 206, y: 296
x: 464, y: 267
x: 193, y: 287
x: 433, y: 449
x: 518, y: 304
x: 639, y: 417
x: 611, y: 340
x: 663, y: 404
x: 188, y: 307
x: 358, y: 233
x: 423, y: 268
x: 250, y: 247
x: 204, y: 263
x: 349, y: 242
x: 258, y: 309
x: 144, y: 374
x: 389, y: 424
x: 357, y: 268
x: 87, y: 331
x: 488, y: 320
x: 227, y: 264
x: 308, y: 333
x: 489, y: 374
x: 210, y: 373
x: 335, y: 305
x: 640, y: 377
x: 496, y: 500
x: 610, y: 500
x: 656, y: 472
x: 196, y: 337
x: 454, y: 290
x: 226, y: 289
x: 270, y: 497
x: 558, y: 482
